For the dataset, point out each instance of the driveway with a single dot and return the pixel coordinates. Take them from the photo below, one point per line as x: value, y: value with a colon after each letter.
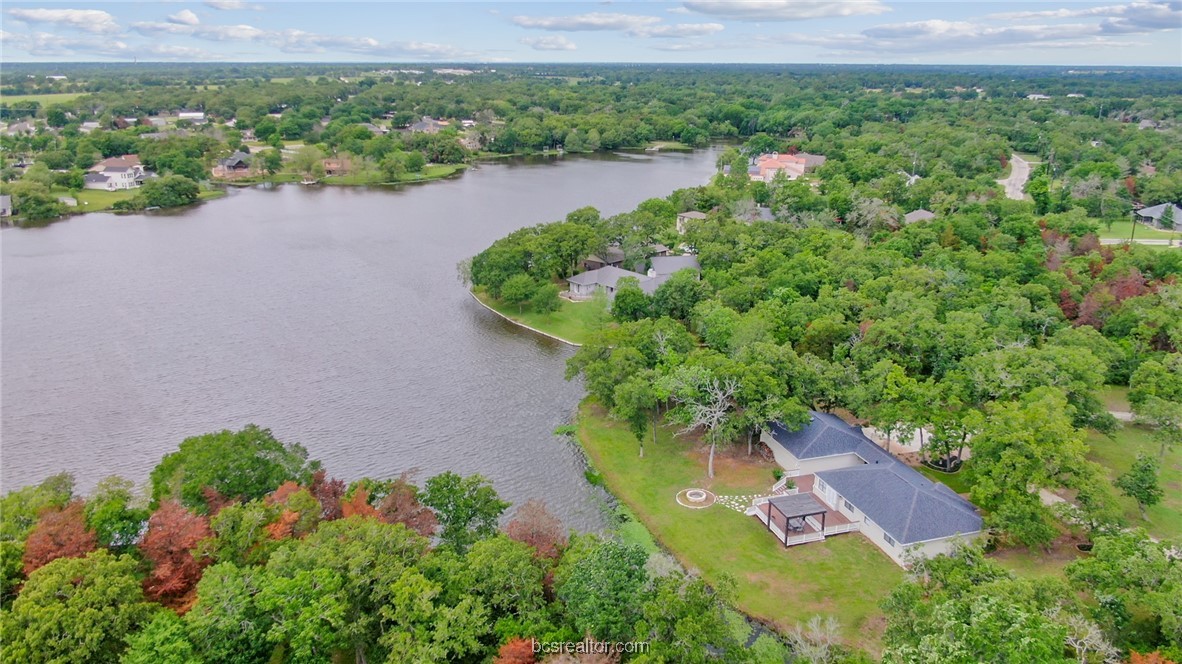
x: 1019, y: 173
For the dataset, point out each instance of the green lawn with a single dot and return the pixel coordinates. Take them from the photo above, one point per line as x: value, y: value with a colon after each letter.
x: 573, y: 322
x: 430, y: 172
x: 45, y: 99
x: 958, y: 481
x: 1121, y: 229
x: 1116, y: 454
x: 1114, y: 397
x: 93, y: 200
x: 844, y: 576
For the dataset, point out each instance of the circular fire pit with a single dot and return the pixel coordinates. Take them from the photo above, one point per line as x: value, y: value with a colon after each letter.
x: 695, y: 498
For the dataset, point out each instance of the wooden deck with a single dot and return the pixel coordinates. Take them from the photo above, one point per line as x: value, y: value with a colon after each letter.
x: 807, y: 529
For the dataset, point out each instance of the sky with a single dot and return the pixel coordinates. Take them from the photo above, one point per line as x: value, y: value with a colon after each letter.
x: 1141, y: 32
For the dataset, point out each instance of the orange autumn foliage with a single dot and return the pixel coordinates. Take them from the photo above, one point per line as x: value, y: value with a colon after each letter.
x: 59, y: 534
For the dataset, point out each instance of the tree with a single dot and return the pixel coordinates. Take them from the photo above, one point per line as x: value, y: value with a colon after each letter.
x: 506, y: 576
x: 468, y: 508
x: 76, y: 610
x: 226, y: 624
x: 244, y: 464
x: 519, y: 650
x: 309, y: 160
x: 630, y: 302
x: 1166, y: 220
x: 402, y: 504
x: 679, y: 294
x: 168, y: 191
x: 635, y: 401
x: 518, y: 289
x: 110, y: 514
x: 19, y: 513
x: 172, y: 536
x: 534, y: 525
x: 816, y: 641
x: 424, y: 628
x: 163, y: 641
x: 1141, y: 484
x: 59, y: 534
x: 705, y: 401
x: 272, y: 160
x: 545, y: 299
x: 685, y: 621
x: 602, y: 589
x: 242, y: 533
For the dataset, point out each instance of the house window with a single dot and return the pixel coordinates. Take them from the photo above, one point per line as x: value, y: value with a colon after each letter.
x: 821, y: 484
x: 849, y: 506
x: 890, y: 540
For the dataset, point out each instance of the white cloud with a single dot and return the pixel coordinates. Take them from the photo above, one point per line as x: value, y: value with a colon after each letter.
x: 549, y: 43
x: 206, y: 32
x: 44, y: 44
x: 785, y: 10
x: 184, y: 17
x: 592, y: 21
x: 678, y: 30
x: 89, y: 20
x: 678, y: 10
x: 230, y: 5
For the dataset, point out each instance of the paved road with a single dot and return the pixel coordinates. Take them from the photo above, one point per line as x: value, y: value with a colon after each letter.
x: 1018, y: 176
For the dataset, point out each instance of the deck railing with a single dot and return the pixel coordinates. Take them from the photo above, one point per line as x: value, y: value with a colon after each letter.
x: 841, y: 528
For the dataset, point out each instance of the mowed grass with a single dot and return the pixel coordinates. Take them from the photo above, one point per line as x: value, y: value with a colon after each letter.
x: 844, y: 576
x: 573, y: 322
x: 1117, y: 454
x: 44, y: 99
x: 1114, y: 397
x: 93, y: 200
x: 1121, y: 229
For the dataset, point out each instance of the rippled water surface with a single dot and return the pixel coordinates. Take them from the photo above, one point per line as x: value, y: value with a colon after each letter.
x: 331, y: 315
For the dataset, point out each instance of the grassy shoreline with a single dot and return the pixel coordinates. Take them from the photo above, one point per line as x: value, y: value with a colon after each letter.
x: 572, y: 324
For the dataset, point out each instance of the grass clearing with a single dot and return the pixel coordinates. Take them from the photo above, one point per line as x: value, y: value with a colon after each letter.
x: 844, y: 576
x: 93, y: 200
x: 43, y: 99
x: 1121, y: 229
x: 1115, y: 397
x: 958, y: 481
x: 1117, y: 454
x: 573, y: 322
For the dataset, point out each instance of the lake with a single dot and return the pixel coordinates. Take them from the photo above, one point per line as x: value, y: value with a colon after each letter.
x: 332, y: 315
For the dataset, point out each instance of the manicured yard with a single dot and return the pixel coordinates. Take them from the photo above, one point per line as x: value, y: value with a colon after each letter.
x: 1117, y: 454
x: 1115, y: 397
x: 1121, y: 229
x: 844, y: 576
x: 94, y: 200
x: 430, y: 172
x: 958, y: 481
x: 573, y: 322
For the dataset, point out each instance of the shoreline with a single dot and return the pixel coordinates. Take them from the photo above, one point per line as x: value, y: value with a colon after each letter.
x: 523, y: 325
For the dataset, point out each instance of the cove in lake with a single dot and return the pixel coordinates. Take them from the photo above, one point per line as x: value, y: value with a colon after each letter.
x: 333, y: 316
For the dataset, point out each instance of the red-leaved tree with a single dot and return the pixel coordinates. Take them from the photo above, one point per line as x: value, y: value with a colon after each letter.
x: 401, y: 505
x: 358, y: 505
x: 329, y: 493
x: 59, y: 534
x: 536, y: 526
x: 173, y: 533
x: 516, y: 651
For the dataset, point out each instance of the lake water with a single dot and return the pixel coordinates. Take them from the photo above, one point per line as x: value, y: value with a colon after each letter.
x: 333, y: 316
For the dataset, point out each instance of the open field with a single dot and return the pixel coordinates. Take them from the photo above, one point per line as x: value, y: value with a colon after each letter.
x: 44, y: 100
x: 573, y: 322
x: 845, y: 576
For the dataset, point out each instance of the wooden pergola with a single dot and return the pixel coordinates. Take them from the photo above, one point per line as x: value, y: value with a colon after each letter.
x: 799, y: 506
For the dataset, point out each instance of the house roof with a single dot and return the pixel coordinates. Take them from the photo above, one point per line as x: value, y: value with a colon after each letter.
x: 692, y: 214
x: 918, y: 215
x: 667, y: 265
x: 907, y: 505
x: 606, y: 276
x: 235, y: 159
x: 95, y: 178
x: 1155, y: 212
x: 609, y: 256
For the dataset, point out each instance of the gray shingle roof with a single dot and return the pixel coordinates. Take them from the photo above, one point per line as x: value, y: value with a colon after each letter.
x: 918, y: 215
x: 1156, y: 211
x: 606, y: 276
x: 907, y: 505
x: 693, y: 214
x: 666, y: 265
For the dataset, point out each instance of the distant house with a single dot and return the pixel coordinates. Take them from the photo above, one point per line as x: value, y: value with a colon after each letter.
x: 20, y: 129
x: 766, y: 167
x: 374, y: 129
x: 429, y: 125
x: 116, y: 173
x: 606, y: 279
x: 612, y: 257
x: 196, y: 117
x: 5, y: 205
x: 918, y: 215
x: 1076, y: 95
x: 684, y: 218
x: 335, y: 166
x: 158, y: 122
x: 1152, y: 215
x: 87, y: 127
x: 1038, y: 97
x: 235, y: 166
x: 846, y: 483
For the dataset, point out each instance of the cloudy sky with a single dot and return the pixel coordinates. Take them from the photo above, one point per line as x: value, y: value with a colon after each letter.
x: 1141, y: 32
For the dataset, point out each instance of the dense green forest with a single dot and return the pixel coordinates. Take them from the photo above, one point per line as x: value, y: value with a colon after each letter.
x: 881, y: 127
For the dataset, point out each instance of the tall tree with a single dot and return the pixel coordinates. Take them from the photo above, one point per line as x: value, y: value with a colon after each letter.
x: 1141, y: 483
x: 59, y: 534
x: 169, y: 544
x: 468, y: 508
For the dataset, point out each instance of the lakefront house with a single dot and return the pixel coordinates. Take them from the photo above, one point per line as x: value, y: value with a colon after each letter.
x: 843, y: 482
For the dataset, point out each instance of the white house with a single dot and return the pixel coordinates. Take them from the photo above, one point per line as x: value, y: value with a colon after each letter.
x: 196, y: 117
x: 684, y: 218
x: 116, y: 173
x: 855, y: 485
